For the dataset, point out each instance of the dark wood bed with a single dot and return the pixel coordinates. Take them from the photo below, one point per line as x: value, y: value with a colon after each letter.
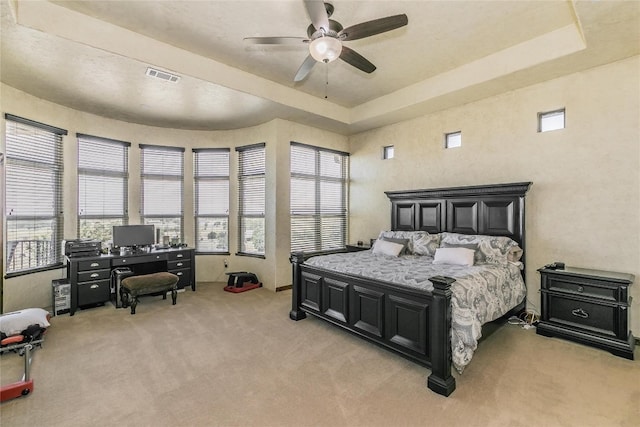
x: 416, y: 324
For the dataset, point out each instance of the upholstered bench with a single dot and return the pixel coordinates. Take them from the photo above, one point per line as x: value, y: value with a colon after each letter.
x: 148, y: 284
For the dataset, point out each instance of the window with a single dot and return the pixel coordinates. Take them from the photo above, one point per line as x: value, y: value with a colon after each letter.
x: 103, y: 180
x: 387, y: 152
x: 552, y: 120
x: 162, y: 176
x: 453, y: 140
x: 211, y: 199
x: 251, y: 199
x: 33, y: 191
x: 318, y: 198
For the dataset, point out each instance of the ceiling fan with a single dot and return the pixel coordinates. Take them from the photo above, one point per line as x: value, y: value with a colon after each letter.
x: 326, y: 37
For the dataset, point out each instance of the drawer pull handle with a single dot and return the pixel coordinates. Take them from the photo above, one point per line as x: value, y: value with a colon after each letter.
x: 95, y: 286
x: 580, y: 289
x: 179, y: 264
x: 95, y: 275
x: 578, y: 312
x: 179, y: 256
x: 179, y: 273
x: 94, y: 264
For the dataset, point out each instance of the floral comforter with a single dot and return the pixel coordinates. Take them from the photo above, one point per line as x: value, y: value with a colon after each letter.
x: 480, y: 294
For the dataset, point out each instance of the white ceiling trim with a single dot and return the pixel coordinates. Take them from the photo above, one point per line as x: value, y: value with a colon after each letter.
x: 565, y: 41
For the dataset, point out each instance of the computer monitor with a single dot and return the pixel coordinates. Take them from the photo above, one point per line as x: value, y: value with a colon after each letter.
x: 133, y: 235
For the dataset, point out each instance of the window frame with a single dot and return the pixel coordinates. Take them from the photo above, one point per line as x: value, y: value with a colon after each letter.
x: 318, y: 212
x: 448, y: 139
x: 209, y: 176
x: 243, y: 180
x: 145, y: 177
x: 548, y: 114
x: 388, y: 152
x: 106, y: 144
x: 53, y: 254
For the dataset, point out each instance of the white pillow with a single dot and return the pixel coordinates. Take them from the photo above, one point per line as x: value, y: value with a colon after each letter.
x: 17, y: 321
x: 385, y: 247
x: 456, y: 256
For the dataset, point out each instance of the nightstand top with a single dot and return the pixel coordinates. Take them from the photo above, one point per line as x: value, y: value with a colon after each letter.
x: 585, y: 272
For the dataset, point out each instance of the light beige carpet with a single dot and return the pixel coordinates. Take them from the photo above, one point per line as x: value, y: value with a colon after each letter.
x: 222, y: 359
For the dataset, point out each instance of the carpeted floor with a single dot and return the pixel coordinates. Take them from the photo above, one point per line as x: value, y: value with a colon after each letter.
x: 222, y: 359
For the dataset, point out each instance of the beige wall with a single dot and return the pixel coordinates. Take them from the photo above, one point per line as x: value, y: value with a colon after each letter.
x: 584, y: 205
x: 34, y: 290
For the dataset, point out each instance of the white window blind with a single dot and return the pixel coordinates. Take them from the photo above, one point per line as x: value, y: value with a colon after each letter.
x: 251, y: 199
x: 318, y: 198
x: 211, y: 199
x: 33, y: 191
x: 162, y: 177
x: 103, y: 177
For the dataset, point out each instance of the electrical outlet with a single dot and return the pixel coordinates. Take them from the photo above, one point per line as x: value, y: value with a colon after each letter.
x: 226, y: 263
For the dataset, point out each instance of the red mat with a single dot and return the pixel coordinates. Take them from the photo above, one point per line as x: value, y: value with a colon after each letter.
x: 245, y: 287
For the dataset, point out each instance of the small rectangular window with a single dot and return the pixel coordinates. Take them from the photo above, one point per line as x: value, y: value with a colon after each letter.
x: 551, y: 120
x: 387, y: 152
x: 452, y: 140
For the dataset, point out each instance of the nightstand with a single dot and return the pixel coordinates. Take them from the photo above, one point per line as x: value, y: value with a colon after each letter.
x: 357, y: 248
x: 587, y: 306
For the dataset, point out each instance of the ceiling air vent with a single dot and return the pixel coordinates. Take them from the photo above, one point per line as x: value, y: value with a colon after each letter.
x: 162, y: 75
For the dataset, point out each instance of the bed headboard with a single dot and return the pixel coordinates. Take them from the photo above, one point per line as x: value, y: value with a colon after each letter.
x: 496, y: 210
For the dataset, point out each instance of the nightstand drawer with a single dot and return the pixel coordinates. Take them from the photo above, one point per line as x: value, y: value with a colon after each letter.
x: 591, y: 316
x: 582, y: 286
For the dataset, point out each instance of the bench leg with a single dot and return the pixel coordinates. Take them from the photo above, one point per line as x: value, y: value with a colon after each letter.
x: 134, y: 303
x: 174, y: 295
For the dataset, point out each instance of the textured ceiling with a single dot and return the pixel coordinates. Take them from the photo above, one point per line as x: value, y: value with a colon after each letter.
x: 92, y: 56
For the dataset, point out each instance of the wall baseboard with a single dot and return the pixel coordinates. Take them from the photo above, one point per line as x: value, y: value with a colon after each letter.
x: 287, y: 287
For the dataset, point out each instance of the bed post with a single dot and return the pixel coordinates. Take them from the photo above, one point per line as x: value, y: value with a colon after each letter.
x: 440, y: 380
x: 297, y: 258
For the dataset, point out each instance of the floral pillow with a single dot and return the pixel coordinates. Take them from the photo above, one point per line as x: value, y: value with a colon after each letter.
x: 420, y: 242
x: 491, y: 249
x: 426, y: 244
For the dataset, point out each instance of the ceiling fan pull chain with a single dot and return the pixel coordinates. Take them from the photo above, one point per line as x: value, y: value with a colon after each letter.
x: 326, y: 86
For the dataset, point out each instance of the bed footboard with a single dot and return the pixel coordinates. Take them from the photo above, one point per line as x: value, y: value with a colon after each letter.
x: 412, y: 323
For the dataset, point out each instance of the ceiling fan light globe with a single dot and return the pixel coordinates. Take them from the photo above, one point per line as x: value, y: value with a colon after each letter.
x: 325, y: 49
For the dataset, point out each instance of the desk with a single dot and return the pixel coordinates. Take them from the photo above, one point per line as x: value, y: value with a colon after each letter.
x: 91, y: 277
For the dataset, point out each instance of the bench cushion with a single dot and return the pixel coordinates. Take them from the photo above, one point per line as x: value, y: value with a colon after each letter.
x: 150, y: 282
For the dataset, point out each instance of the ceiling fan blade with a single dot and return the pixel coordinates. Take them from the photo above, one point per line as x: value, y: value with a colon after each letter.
x: 276, y: 40
x: 352, y: 57
x: 305, y: 68
x: 318, y: 13
x: 374, y: 27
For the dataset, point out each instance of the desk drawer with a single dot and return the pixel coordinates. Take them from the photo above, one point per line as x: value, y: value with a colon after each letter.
x: 590, y: 316
x: 177, y: 265
x: 93, y: 292
x: 97, y: 264
x: 93, y: 275
x: 140, y: 259
x: 583, y: 286
x: 178, y: 255
x: 184, y: 277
